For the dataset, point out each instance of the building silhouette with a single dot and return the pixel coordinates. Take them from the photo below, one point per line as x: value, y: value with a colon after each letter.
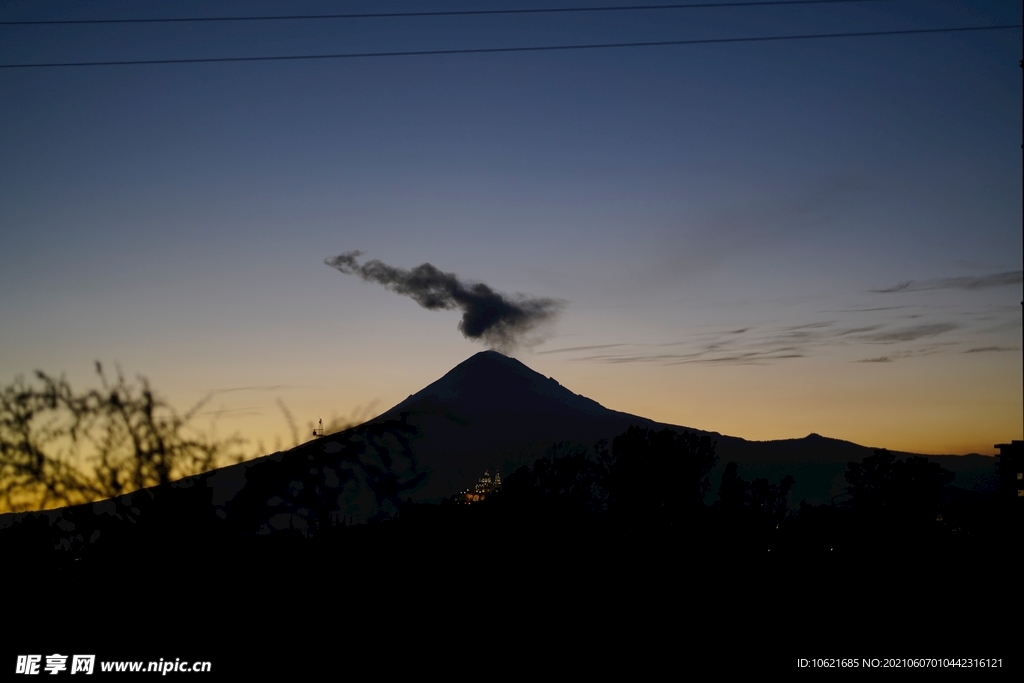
x: 1011, y: 474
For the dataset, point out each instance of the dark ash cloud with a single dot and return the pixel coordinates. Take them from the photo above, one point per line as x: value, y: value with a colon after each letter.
x: 1013, y: 277
x: 498, y: 320
x: 986, y: 349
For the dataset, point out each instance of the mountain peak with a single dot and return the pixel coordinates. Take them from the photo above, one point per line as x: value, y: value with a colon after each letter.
x: 489, y: 382
x: 493, y: 412
x: 489, y: 353
x: 492, y: 357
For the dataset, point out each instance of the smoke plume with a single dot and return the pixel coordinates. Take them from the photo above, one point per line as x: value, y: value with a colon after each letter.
x: 496, y: 319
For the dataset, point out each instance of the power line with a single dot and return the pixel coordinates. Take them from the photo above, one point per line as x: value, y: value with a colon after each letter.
x: 486, y: 50
x: 443, y: 13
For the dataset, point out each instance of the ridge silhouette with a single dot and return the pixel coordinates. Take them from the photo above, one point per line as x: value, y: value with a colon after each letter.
x: 492, y: 411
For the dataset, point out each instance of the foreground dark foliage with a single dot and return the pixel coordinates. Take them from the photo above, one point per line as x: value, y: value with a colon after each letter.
x: 615, y: 546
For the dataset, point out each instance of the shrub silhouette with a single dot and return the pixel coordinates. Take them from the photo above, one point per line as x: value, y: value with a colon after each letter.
x: 61, y: 447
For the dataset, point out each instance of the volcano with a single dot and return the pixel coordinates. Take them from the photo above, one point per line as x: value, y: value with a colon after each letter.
x: 492, y: 412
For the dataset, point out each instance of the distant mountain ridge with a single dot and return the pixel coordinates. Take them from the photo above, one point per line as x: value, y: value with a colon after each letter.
x: 494, y: 412
x: 490, y: 412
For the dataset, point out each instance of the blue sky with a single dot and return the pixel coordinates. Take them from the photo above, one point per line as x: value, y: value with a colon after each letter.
x: 720, y: 221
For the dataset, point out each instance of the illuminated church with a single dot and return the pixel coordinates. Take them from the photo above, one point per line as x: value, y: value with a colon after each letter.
x: 484, y: 486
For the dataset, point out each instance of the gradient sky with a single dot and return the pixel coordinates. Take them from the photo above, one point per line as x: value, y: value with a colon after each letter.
x: 762, y: 239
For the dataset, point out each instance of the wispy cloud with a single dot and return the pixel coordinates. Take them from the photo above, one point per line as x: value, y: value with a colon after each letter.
x: 265, y: 387
x: 865, y: 310
x: 581, y: 348
x: 906, y: 334
x: 234, y: 412
x: 1012, y: 277
x: 759, y: 346
x: 905, y: 331
x: 751, y: 357
x: 986, y: 349
x: 812, y: 326
x: 859, y: 330
x: 907, y: 353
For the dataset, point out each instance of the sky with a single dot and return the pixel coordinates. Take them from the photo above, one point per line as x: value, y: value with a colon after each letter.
x: 764, y: 239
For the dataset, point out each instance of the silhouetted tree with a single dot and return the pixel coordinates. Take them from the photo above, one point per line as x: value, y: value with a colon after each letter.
x: 760, y: 499
x: 660, y: 476
x: 883, y: 485
x: 733, y: 492
x: 871, y: 483
x: 771, y: 500
x: 568, y: 478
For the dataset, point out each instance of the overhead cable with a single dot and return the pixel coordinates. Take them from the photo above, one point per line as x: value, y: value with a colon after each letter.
x: 438, y: 13
x: 493, y: 50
